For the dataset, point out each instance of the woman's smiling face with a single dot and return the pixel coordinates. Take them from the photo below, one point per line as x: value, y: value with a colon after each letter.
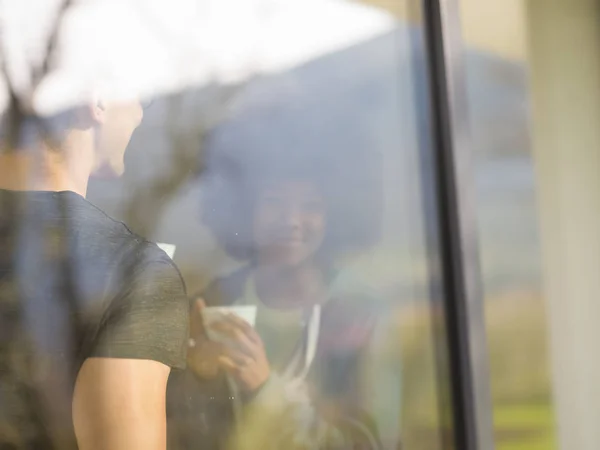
x: 289, y: 222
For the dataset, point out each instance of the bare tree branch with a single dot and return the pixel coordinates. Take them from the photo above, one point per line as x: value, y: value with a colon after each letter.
x: 147, y: 203
x: 17, y: 110
x: 44, y: 68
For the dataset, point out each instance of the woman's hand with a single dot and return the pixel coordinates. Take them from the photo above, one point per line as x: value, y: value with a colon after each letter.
x: 203, y: 354
x: 246, y: 360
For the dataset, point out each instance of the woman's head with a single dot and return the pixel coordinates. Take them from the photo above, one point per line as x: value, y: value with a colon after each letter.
x: 271, y: 210
x: 288, y: 208
x: 284, y: 185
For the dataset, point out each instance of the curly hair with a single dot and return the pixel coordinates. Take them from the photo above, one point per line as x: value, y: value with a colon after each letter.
x: 272, y: 136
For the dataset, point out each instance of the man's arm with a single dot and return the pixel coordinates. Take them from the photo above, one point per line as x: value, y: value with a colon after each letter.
x: 119, y: 404
x: 119, y: 398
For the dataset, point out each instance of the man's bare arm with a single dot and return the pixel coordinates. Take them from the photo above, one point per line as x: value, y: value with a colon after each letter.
x: 119, y: 404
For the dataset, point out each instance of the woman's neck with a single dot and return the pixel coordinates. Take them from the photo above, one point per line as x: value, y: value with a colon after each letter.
x: 290, y: 287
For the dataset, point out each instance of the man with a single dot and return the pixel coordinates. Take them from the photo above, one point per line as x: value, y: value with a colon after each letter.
x: 92, y: 316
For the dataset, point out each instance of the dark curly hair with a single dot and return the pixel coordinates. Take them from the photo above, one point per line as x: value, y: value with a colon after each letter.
x: 279, y: 133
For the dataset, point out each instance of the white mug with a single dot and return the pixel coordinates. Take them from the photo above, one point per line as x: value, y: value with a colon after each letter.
x: 169, y: 249
x: 212, y: 314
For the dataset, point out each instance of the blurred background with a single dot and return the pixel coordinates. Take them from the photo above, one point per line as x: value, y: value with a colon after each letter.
x: 376, y: 85
x: 531, y: 72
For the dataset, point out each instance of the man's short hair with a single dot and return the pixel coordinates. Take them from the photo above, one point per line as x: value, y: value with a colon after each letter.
x: 21, y: 131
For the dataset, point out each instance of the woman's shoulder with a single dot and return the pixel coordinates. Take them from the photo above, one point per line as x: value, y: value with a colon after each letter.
x: 352, y: 311
x: 350, y: 291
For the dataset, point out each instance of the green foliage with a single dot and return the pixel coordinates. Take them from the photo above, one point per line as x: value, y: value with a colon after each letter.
x: 521, y: 387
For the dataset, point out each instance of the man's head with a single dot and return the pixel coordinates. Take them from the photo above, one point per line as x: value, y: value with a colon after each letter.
x: 100, y: 129
x: 63, y: 151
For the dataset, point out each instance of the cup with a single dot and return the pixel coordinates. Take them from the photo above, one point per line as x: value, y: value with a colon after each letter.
x: 169, y: 249
x: 212, y: 314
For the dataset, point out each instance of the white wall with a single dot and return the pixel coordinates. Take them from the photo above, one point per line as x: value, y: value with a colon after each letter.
x: 565, y: 61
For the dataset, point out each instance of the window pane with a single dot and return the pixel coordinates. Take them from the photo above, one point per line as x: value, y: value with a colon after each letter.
x: 499, y: 82
x: 276, y: 155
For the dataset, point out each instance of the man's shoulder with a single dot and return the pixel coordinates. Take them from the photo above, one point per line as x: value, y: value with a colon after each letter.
x: 144, y: 310
x: 101, y: 233
x: 92, y: 223
x: 109, y: 256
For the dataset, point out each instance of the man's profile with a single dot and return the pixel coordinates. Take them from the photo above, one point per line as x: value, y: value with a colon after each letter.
x: 92, y: 316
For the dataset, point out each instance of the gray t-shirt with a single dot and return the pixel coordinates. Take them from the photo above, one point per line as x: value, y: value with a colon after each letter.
x: 75, y: 284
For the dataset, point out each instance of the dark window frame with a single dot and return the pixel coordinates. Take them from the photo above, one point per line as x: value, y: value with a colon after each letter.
x: 449, y: 202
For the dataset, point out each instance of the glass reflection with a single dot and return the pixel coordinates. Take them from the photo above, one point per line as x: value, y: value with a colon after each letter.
x: 292, y: 375
x: 299, y: 152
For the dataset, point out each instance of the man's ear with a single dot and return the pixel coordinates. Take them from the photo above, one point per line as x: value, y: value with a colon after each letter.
x: 97, y: 111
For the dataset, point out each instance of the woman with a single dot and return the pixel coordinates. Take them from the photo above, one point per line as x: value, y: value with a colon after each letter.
x: 295, y: 379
